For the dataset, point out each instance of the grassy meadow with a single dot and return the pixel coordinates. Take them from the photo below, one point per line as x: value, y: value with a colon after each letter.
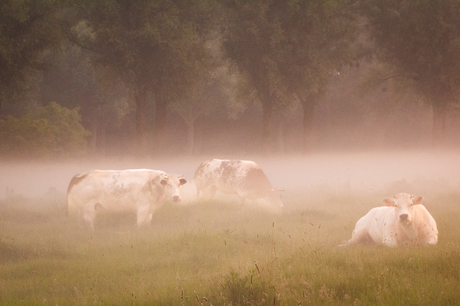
x: 224, y: 253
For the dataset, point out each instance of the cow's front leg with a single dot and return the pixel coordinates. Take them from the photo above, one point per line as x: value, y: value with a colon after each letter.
x: 149, y: 218
x: 432, y: 239
x: 390, y: 241
x: 144, y: 216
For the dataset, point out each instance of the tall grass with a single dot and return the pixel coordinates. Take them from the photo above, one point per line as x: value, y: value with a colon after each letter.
x: 223, y: 253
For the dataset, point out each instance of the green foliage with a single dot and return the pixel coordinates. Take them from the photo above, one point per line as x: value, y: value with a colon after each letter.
x: 27, y: 29
x: 421, y: 40
x: 51, y: 130
x: 154, y: 44
x: 288, y: 47
x: 287, y: 51
x: 102, y: 98
x: 156, y: 47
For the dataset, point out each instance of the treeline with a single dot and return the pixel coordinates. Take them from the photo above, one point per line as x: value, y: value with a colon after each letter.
x: 178, y: 76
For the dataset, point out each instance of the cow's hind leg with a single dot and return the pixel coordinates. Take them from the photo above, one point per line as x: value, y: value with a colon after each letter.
x: 88, y: 214
x: 361, y: 236
x: 208, y: 193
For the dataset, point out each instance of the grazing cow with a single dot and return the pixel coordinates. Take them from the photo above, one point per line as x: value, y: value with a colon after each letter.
x: 140, y: 190
x: 241, y: 177
x: 403, y: 221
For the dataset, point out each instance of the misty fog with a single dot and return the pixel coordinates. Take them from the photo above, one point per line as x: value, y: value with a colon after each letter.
x: 379, y: 173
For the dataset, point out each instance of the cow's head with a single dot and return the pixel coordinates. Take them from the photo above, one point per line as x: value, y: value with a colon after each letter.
x: 171, y: 184
x: 403, y: 204
x: 275, y: 197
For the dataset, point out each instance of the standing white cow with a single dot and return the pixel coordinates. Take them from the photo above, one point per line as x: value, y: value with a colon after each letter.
x: 140, y: 190
x: 241, y: 177
x: 404, y: 221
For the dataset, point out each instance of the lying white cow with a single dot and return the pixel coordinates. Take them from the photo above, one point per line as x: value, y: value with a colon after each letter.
x: 140, y: 190
x: 241, y: 177
x: 404, y: 221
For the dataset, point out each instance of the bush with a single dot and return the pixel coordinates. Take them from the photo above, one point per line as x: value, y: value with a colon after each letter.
x: 49, y: 131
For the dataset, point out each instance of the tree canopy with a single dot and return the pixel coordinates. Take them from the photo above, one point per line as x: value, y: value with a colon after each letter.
x: 287, y: 48
x: 50, y: 131
x: 27, y: 29
x: 156, y: 46
x: 150, y: 62
x: 421, y: 41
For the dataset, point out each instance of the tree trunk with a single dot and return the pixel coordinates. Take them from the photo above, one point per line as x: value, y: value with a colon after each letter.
x: 266, y: 125
x: 439, y: 124
x: 190, y: 119
x: 190, y: 137
x: 308, y: 118
x: 93, y: 138
x: 278, y: 133
x: 160, y: 124
x: 141, y: 124
x: 102, y: 141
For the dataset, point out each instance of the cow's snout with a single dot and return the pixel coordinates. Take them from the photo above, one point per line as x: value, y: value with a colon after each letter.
x: 176, y: 198
x: 403, y: 217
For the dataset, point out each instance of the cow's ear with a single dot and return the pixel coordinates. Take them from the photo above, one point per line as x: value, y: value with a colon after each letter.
x: 164, y: 182
x: 182, y: 181
x: 417, y: 200
x: 389, y: 202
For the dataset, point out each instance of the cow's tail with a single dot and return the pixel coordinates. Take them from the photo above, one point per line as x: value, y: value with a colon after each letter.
x: 74, y: 181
